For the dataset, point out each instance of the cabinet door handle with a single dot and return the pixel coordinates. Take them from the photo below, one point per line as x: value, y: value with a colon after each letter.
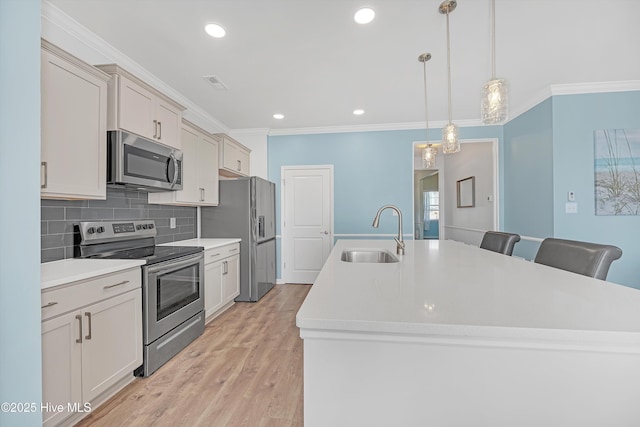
x: 239, y: 165
x: 49, y: 305
x: 79, y: 318
x: 224, y: 268
x: 155, y: 128
x: 124, y: 282
x: 46, y: 170
x: 159, y: 130
x: 202, y: 194
x: 88, y: 336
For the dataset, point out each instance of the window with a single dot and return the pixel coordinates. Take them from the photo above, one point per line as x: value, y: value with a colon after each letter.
x: 431, y: 206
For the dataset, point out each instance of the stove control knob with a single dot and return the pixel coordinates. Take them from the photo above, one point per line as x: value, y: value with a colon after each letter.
x: 100, y: 230
x: 138, y: 227
x: 150, y: 226
x: 144, y: 226
x: 91, y: 230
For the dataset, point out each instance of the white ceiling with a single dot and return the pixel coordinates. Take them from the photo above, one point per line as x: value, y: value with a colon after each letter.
x: 309, y: 60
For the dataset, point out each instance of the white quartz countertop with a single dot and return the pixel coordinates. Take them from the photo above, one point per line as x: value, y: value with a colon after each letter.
x: 207, y: 243
x: 65, y: 271
x: 447, y: 288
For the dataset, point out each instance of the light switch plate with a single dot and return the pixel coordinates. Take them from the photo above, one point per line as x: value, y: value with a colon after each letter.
x: 571, y: 207
x: 172, y: 223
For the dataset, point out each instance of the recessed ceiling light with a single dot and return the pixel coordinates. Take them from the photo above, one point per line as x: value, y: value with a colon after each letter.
x: 278, y: 116
x: 358, y: 112
x: 215, y: 30
x: 364, y: 15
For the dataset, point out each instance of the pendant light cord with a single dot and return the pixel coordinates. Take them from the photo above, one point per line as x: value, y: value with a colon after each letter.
x: 493, y: 39
x: 426, y: 108
x: 449, y: 64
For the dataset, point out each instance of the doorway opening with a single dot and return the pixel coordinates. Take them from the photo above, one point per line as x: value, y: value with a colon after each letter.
x: 426, y: 204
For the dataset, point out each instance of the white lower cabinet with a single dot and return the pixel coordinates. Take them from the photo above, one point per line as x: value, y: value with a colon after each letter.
x: 221, y: 278
x: 231, y: 278
x: 91, y: 343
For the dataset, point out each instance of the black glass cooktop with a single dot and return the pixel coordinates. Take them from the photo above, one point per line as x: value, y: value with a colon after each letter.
x: 152, y: 254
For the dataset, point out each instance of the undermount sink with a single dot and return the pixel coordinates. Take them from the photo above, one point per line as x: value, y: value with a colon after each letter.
x: 378, y: 256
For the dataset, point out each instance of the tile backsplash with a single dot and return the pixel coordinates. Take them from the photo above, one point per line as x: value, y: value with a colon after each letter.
x: 59, y: 216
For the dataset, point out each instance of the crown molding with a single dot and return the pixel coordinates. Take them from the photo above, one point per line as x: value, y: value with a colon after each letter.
x: 595, y: 87
x: 574, y: 89
x: 57, y: 18
x: 54, y: 16
x: 371, y: 127
x: 251, y: 131
x: 536, y: 99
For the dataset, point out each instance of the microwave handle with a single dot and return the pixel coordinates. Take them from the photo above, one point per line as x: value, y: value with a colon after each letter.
x: 175, y: 169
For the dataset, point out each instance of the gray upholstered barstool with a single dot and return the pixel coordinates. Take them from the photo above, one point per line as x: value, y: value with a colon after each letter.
x: 500, y: 242
x: 588, y: 259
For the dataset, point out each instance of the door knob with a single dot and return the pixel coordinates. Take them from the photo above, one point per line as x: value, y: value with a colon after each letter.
x: 324, y: 232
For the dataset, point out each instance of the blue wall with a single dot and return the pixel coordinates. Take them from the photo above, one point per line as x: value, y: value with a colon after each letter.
x: 370, y: 169
x: 528, y: 177
x: 575, y: 118
x: 549, y: 151
x: 20, y: 349
x: 544, y: 153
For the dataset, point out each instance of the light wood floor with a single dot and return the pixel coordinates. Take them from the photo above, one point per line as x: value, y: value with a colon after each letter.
x: 245, y: 370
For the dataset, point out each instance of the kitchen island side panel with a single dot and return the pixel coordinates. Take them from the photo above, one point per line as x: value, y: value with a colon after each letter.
x: 382, y: 383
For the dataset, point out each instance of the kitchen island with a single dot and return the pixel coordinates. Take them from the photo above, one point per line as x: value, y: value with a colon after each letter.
x: 454, y: 335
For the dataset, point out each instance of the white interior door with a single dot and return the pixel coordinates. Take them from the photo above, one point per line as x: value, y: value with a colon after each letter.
x: 307, y: 221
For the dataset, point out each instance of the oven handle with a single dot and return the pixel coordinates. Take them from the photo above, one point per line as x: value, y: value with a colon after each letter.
x: 168, y: 266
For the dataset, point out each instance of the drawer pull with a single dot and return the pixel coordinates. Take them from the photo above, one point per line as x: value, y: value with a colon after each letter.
x: 124, y: 282
x: 46, y: 173
x: 79, y: 319
x: 88, y: 336
x: 218, y: 254
x: 50, y: 304
x: 233, y: 250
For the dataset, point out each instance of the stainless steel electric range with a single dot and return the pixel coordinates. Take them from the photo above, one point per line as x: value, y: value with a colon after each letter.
x: 172, y: 283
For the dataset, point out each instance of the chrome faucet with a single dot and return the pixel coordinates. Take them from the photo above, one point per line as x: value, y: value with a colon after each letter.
x: 399, y: 241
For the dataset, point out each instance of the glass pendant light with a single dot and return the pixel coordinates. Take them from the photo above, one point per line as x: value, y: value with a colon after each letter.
x: 430, y: 152
x: 450, y: 142
x: 494, y: 92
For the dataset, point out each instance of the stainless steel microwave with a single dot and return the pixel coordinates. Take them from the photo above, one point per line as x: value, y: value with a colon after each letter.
x: 137, y: 162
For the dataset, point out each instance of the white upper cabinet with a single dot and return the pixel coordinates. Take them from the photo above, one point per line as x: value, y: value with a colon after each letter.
x: 138, y: 108
x: 234, y: 157
x: 199, y: 171
x: 73, y: 127
x: 208, y: 170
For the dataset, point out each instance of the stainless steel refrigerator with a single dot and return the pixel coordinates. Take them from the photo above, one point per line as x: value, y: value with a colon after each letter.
x: 247, y: 210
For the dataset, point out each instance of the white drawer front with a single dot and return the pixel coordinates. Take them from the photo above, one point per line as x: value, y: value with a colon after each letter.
x: 70, y: 297
x: 216, y: 254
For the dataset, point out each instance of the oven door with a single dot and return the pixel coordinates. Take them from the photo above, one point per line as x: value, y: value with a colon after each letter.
x: 172, y: 293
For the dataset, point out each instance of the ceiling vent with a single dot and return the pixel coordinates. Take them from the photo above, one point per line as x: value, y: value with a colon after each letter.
x: 215, y: 82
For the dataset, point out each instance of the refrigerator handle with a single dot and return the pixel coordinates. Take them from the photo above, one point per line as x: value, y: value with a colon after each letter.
x: 261, y: 226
